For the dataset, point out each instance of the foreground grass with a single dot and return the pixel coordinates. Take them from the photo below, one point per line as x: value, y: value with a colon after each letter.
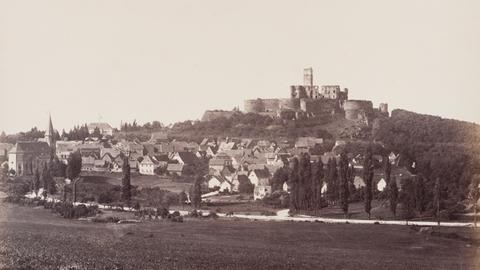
x: 35, y: 239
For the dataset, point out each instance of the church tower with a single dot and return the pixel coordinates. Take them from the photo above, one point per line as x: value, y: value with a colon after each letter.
x: 50, y: 133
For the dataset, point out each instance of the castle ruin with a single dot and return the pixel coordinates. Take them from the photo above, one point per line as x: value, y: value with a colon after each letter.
x: 309, y: 100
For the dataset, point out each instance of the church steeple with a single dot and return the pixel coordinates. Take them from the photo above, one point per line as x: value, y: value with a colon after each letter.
x: 50, y: 133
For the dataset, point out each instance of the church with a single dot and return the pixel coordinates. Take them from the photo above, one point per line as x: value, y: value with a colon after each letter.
x: 28, y: 156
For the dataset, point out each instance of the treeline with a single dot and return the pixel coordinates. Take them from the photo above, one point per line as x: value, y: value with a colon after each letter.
x: 134, y: 126
x: 252, y: 125
x: 443, y: 151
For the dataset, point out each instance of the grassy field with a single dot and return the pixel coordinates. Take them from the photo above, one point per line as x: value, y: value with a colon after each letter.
x: 35, y: 239
x: 138, y: 180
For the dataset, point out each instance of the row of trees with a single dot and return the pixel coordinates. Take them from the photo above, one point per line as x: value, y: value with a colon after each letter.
x: 134, y: 126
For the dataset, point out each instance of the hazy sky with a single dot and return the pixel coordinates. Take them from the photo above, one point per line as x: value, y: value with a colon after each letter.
x: 171, y: 60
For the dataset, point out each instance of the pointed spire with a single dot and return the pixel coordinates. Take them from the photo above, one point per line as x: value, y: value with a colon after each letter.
x: 50, y: 131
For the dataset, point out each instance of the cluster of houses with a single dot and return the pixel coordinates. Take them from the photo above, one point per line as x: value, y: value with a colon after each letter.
x: 234, y: 164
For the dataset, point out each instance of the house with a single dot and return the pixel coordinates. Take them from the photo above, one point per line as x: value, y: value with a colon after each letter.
x: 90, y: 149
x: 88, y: 162
x: 381, y: 185
x: 182, y: 146
x: 176, y: 169
x: 158, y: 137
x: 162, y: 160
x: 4, y: 148
x: 117, y: 163
x: 226, y: 186
x: 358, y: 182
x: 148, y: 165
x: 105, y: 128
x: 63, y: 149
x: 259, y: 177
x: 308, y: 142
x: 261, y: 192
x: 240, y: 181
x: 187, y: 158
x: 227, y: 146
x: 220, y: 161
x: 26, y: 157
x: 100, y: 165
x: 214, y: 181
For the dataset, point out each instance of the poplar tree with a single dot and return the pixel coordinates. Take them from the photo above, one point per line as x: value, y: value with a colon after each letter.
x: 197, y: 192
x: 368, y: 171
x: 344, y: 187
x: 293, y: 182
x: 317, y: 181
x: 332, y: 190
x: 419, y: 193
x: 393, y: 196
x: 126, y: 194
x: 436, y: 199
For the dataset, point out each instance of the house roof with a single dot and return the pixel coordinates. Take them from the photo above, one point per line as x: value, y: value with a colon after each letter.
x: 307, y: 142
x: 162, y: 158
x: 5, y: 146
x: 175, y: 167
x: 187, y: 157
x: 100, y: 125
x: 149, y: 160
x: 31, y: 147
x: 261, y: 173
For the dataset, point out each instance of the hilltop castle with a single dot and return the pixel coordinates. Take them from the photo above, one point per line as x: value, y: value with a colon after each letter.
x: 309, y: 100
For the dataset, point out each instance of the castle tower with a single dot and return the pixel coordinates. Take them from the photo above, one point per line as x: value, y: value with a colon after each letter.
x: 50, y: 133
x: 308, y: 77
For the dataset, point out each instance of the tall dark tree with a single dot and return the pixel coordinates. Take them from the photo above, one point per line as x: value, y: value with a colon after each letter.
x: 96, y: 133
x: 197, y: 192
x: 304, y: 186
x: 36, y: 181
x: 393, y: 195
x: 407, y: 197
x: 332, y: 181
x: 344, y: 186
x: 317, y: 181
x: 47, y: 180
x: 368, y: 171
x: 420, y: 194
x: 126, y: 187
x: 74, y: 165
x: 293, y: 183
x: 437, y: 198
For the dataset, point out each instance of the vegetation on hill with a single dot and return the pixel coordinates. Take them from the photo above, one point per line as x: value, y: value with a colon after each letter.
x: 442, y: 150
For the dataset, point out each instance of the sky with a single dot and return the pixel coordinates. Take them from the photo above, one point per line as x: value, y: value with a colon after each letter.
x: 97, y: 60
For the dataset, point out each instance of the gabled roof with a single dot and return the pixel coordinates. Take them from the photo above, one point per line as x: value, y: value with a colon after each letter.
x: 100, y: 125
x: 149, y: 160
x: 187, y: 157
x: 175, y: 167
x: 261, y: 173
x: 31, y: 147
x: 162, y: 158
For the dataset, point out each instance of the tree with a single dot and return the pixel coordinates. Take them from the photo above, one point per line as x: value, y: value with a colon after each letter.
x: 304, y: 186
x: 47, y: 181
x: 393, y: 195
x: 332, y: 179
x: 197, y: 192
x: 317, y: 181
x: 368, y: 171
x: 182, y: 198
x: 126, y: 192
x: 474, y: 195
x: 58, y: 168
x: 420, y: 194
x: 74, y: 166
x: 96, y: 133
x: 293, y: 183
x: 437, y: 199
x: 344, y: 188
x: 36, y: 182
x: 407, y: 197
